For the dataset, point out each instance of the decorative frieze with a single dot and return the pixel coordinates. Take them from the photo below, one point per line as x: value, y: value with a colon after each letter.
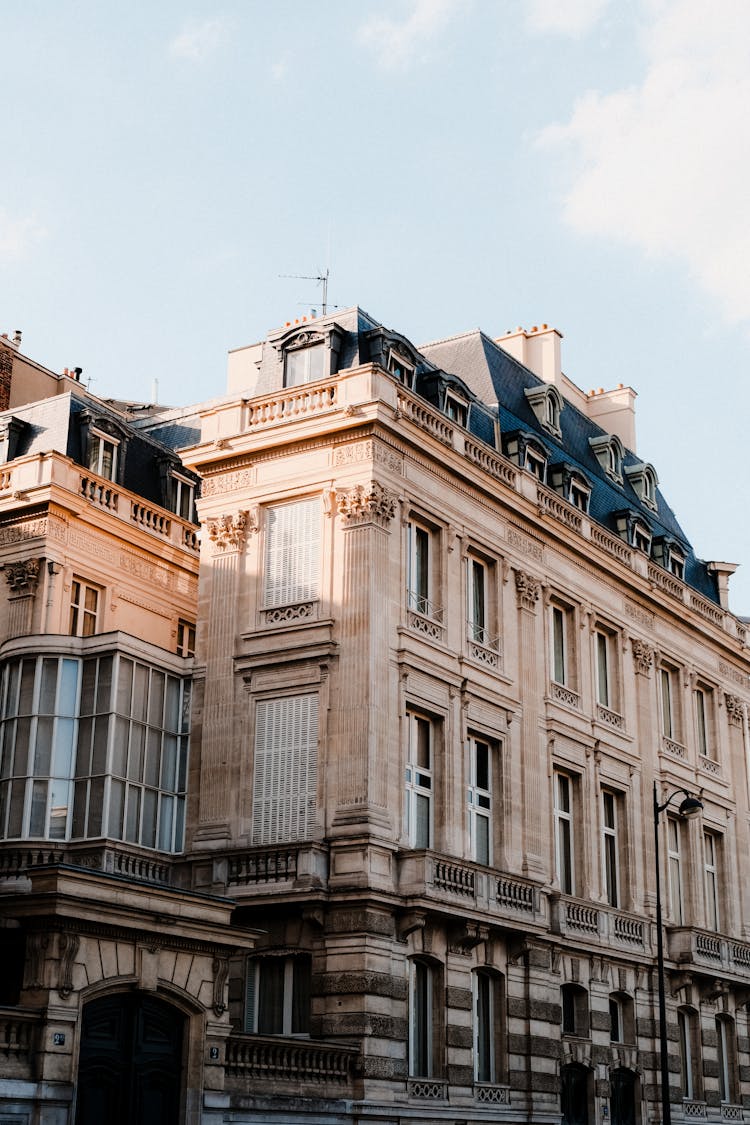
x: 226, y: 482
x: 227, y: 533
x: 528, y: 590
x: 523, y: 543
x: 23, y: 576
x: 643, y: 657
x: 366, y: 503
x: 735, y: 709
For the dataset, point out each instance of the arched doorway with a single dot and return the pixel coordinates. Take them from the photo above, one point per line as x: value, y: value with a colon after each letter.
x: 574, y: 1094
x: 622, y: 1097
x: 130, y: 1062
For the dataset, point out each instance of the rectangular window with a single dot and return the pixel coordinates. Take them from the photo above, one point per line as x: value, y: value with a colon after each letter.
x: 563, y: 811
x: 419, y: 781
x: 84, y: 608
x: 536, y: 464
x: 606, y: 670
x: 182, y: 496
x: 305, y: 365
x: 477, y: 599
x: 669, y: 692
x: 480, y: 800
x: 185, y: 638
x: 685, y: 1038
x: 420, y: 577
x: 675, y: 871
x: 610, y: 847
x: 711, y: 879
x: 292, y: 554
x: 277, y: 998
x: 704, y: 721
x: 285, y: 776
x: 615, y: 1020
x: 457, y: 410
x: 102, y: 454
x: 559, y: 645
x: 420, y: 1021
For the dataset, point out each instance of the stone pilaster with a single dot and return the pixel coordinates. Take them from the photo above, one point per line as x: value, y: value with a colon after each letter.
x: 533, y: 772
x: 364, y: 728
x: 22, y: 578
x: 227, y: 539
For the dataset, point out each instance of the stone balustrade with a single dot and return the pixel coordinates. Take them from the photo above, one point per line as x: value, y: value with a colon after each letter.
x: 288, y: 1063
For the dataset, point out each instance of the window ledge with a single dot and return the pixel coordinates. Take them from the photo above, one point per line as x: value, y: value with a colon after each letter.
x: 427, y: 1089
x: 491, y: 1094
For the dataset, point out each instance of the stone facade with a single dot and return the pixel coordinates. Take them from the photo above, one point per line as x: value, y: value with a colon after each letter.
x: 438, y: 676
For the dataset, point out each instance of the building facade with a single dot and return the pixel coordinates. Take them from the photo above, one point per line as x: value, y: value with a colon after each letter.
x: 451, y: 640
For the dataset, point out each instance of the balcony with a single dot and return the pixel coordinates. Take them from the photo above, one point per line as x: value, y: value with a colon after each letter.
x: 281, y: 870
x: 18, y: 857
x: 442, y: 880
x: 602, y: 925
x: 35, y: 479
x: 289, y: 1066
x: 19, y: 1030
x: 702, y: 949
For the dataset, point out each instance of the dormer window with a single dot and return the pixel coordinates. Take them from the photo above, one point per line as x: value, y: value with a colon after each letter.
x: 547, y: 404
x: 608, y: 451
x: 305, y: 365
x: 668, y: 553
x: 400, y: 368
x: 644, y: 481
x: 182, y: 497
x: 456, y: 409
x: 309, y: 354
x: 571, y: 484
x: 535, y: 462
x: 102, y: 454
x: 633, y: 530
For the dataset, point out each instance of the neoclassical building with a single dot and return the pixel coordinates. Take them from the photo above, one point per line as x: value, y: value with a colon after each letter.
x: 451, y: 640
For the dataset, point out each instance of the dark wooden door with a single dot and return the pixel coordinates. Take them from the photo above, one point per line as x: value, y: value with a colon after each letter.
x: 130, y: 1062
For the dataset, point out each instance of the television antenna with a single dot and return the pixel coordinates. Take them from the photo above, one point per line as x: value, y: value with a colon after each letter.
x: 321, y: 278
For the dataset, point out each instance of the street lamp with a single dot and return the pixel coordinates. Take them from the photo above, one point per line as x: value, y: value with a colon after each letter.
x: 689, y: 806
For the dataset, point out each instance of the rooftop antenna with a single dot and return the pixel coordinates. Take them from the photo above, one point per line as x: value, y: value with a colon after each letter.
x: 321, y: 278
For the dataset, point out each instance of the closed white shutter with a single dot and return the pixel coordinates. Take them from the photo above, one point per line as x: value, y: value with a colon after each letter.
x: 285, y: 779
x: 292, y: 564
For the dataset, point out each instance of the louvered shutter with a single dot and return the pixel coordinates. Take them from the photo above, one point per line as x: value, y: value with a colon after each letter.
x: 285, y: 779
x: 292, y: 563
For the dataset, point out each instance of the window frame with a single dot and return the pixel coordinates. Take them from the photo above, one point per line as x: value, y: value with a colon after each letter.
x: 712, y: 844
x: 488, y: 1004
x: 99, y: 440
x: 181, y: 486
x: 79, y: 612
x: 562, y: 646
x: 423, y: 576
x: 185, y: 638
x: 456, y: 409
x: 704, y: 703
x: 307, y: 352
x: 670, y: 704
x: 607, y: 668
x: 674, y: 870
x: 726, y: 1058
x: 419, y: 781
x: 480, y: 799
x: 294, y: 552
x: 564, y: 825
x: 256, y: 970
x: 423, y: 1013
x: 688, y: 1032
x: 611, y: 846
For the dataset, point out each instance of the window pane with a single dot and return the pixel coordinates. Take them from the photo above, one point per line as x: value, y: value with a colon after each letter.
x: 301, y: 996
x: 270, y: 993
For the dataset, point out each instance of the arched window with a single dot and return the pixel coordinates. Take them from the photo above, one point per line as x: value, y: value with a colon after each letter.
x: 425, y: 1019
x: 621, y: 1021
x: 690, y: 1058
x: 575, y: 1010
x: 489, y: 1027
x: 622, y: 1097
x: 726, y: 1057
x: 575, y: 1094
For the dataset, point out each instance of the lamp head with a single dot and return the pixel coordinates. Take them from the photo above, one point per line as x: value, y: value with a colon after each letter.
x: 690, y: 806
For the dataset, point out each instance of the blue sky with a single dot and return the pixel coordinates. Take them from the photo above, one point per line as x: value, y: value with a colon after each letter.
x: 469, y: 163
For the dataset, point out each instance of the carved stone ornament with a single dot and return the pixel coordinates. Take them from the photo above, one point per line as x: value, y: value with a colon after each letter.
x: 23, y: 576
x: 227, y: 533
x: 735, y: 709
x: 528, y: 590
x: 68, y: 948
x: 643, y: 657
x: 221, y: 971
x: 366, y: 503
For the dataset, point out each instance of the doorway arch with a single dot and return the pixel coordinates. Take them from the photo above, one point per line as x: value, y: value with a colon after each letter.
x: 130, y: 1061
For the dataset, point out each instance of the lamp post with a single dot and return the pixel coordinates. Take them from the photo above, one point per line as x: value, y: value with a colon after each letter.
x: 689, y: 806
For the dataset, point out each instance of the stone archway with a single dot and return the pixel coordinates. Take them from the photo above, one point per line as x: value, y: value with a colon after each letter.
x: 130, y: 1061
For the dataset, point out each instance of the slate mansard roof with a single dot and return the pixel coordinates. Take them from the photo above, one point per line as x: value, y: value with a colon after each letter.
x: 492, y: 382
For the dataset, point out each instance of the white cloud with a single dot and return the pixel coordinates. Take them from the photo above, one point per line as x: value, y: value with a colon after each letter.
x: 397, y: 43
x: 18, y: 235
x: 564, y: 17
x: 664, y: 164
x: 197, y: 41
